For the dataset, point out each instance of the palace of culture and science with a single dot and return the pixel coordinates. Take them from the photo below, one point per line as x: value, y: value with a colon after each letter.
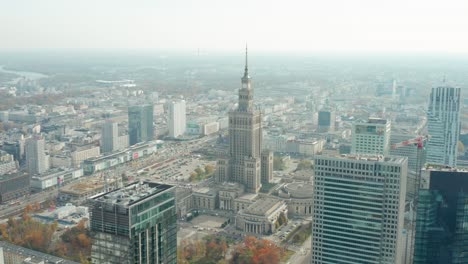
x: 246, y: 163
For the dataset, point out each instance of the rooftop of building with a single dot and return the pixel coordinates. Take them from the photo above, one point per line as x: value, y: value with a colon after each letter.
x: 17, y: 250
x: 132, y: 193
x: 299, y: 189
x: 368, y: 157
x: 7, y: 177
x: 262, y: 206
x: 205, y: 190
x: 83, y: 187
x: 437, y: 167
x: 231, y: 186
x: 135, y: 147
x: 55, y: 172
x: 248, y: 197
x: 376, y: 120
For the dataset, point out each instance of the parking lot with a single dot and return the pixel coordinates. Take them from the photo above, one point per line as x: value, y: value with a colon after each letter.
x: 200, y: 227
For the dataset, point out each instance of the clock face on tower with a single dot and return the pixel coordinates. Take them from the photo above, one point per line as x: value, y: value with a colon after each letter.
x: 244, y: 85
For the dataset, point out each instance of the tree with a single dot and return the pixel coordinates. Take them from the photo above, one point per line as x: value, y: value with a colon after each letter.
x: 193, y: 176
x: 209, y: 169
x: 304, y: 165
x: 199, y: 171
x: 256, y: 251
x: 278, y: 163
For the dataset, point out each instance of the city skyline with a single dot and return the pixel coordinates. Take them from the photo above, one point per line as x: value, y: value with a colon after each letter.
x: 160, y: 159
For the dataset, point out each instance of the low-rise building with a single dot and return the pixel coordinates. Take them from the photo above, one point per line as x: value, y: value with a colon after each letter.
x: 261, y: 217
x: 205, y: 199
x: 7, y: 163
x: 228, y: 192
x: 54, y: 177
x: 83, y: 153
x: 184, y: 201
x: 299, y: 197
x: 13, y: 254
x: 13, y: 186
x: 83, y: 190
x: 244, y: 201
x: 210, y: 128
x: 134, y: 152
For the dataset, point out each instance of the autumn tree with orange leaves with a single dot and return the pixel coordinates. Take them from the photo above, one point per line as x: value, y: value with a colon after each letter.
x: 75, y: 243
x: 256, y: 251
x: 210, y: 250
x: 27, y: 232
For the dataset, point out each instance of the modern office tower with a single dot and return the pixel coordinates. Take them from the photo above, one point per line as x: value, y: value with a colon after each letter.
x: 326, y: 121
x: 110, y: 136
x: 35, y: 155
x: 371, y: 137
x: 140, y: 123
x: 443, y: 126
x: 359, y: 205
x: 243, y: 164
x: 176, y: 120
x: 135, y: 224
x: 442, y: 219
x: 267, y: 166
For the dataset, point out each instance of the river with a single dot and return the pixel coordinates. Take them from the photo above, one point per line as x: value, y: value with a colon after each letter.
x: 25, y: 74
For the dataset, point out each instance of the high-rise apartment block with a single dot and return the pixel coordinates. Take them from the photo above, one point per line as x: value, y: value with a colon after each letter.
x: 177, y: 118
x: 442, y: 219
x: 243, y: 164
x: 443, y: 126
x: 135, y: 224
x: 35, y: 155
x: 371, y: 137
x: 326, y: 121
x: 110, y: 137
x: 358, y: 211
x: 140, y: 123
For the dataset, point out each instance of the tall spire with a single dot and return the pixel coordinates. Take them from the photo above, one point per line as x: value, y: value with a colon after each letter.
x: 246, y: 70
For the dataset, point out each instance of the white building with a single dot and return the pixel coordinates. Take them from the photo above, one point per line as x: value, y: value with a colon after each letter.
x: 210, y: 128
x: 110, y: 137
x: 177, y: 118
x: 443, y: 126
x: 261, y: 216
x: 371, y: 137
x: 359, y: 205
x: 82, y: 153
x: 7, y: 163
x: 55, y: 178
x: 35, y: 155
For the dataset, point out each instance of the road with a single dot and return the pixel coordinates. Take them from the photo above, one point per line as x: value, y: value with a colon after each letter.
x: 303, y: 254
x: 173, y: 150
x: 7, y: 210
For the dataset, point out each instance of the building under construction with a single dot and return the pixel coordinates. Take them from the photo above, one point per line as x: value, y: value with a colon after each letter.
x: 135, y: 224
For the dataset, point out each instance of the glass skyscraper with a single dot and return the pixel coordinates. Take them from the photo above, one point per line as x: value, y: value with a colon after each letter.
x: 140, y: 123
x: 443, y: 126
x: 442, y: 219
x: 135, y: 224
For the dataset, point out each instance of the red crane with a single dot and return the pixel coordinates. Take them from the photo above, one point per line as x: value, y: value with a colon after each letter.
x: 419, y: 142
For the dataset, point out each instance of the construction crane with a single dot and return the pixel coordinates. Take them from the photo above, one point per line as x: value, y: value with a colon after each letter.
x: 419, y: 142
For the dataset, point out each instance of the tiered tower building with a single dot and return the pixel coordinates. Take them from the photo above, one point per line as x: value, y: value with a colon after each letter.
x: 243, y: 164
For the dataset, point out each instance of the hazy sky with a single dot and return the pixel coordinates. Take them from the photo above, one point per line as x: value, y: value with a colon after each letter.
x: 216, y: 25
